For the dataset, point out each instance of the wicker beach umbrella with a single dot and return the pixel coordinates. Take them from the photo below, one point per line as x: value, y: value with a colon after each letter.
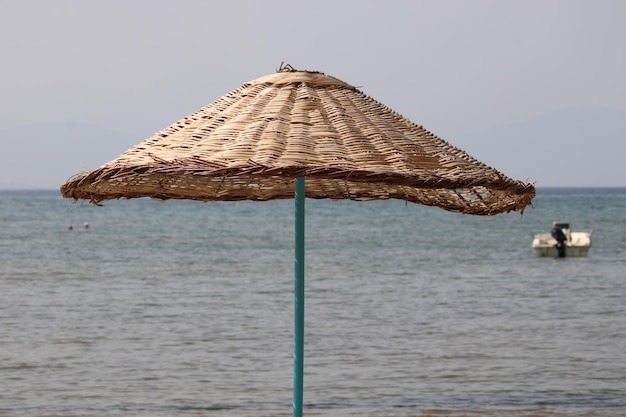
x: 262, y: 140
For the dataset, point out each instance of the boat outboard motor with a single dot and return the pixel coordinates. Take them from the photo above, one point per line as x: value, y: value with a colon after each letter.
x: 559, y: 236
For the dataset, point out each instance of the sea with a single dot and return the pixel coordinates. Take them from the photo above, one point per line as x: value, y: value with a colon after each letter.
x: 182, y: 308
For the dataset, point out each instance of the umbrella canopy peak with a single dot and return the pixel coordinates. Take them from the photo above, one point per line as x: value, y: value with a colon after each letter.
x: 288, y: 75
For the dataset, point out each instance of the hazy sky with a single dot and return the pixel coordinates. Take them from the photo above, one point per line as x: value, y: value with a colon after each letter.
x: 456, y: 67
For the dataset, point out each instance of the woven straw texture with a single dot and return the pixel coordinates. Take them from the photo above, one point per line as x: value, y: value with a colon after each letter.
x: 251, y: 143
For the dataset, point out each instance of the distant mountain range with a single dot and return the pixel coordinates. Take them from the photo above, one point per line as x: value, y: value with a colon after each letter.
x: 44, y: 155
x: 579, y: 146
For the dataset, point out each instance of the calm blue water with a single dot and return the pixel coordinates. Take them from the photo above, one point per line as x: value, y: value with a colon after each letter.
x: 185, y: 309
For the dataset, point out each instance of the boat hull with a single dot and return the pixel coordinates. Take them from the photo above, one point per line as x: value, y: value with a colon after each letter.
x: 576, y: 246
x: 570, y: 251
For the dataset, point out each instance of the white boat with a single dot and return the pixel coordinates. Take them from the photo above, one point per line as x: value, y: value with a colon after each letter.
x: 561, y: 242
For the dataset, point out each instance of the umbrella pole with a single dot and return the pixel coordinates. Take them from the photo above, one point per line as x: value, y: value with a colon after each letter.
x: 298, y: 350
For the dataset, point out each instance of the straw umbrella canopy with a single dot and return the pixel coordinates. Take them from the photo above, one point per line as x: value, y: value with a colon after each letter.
x: 262, y: 140
x: 251, y: 143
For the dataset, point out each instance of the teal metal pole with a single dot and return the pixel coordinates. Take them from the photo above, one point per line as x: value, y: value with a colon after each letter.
x: 298, y: 349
